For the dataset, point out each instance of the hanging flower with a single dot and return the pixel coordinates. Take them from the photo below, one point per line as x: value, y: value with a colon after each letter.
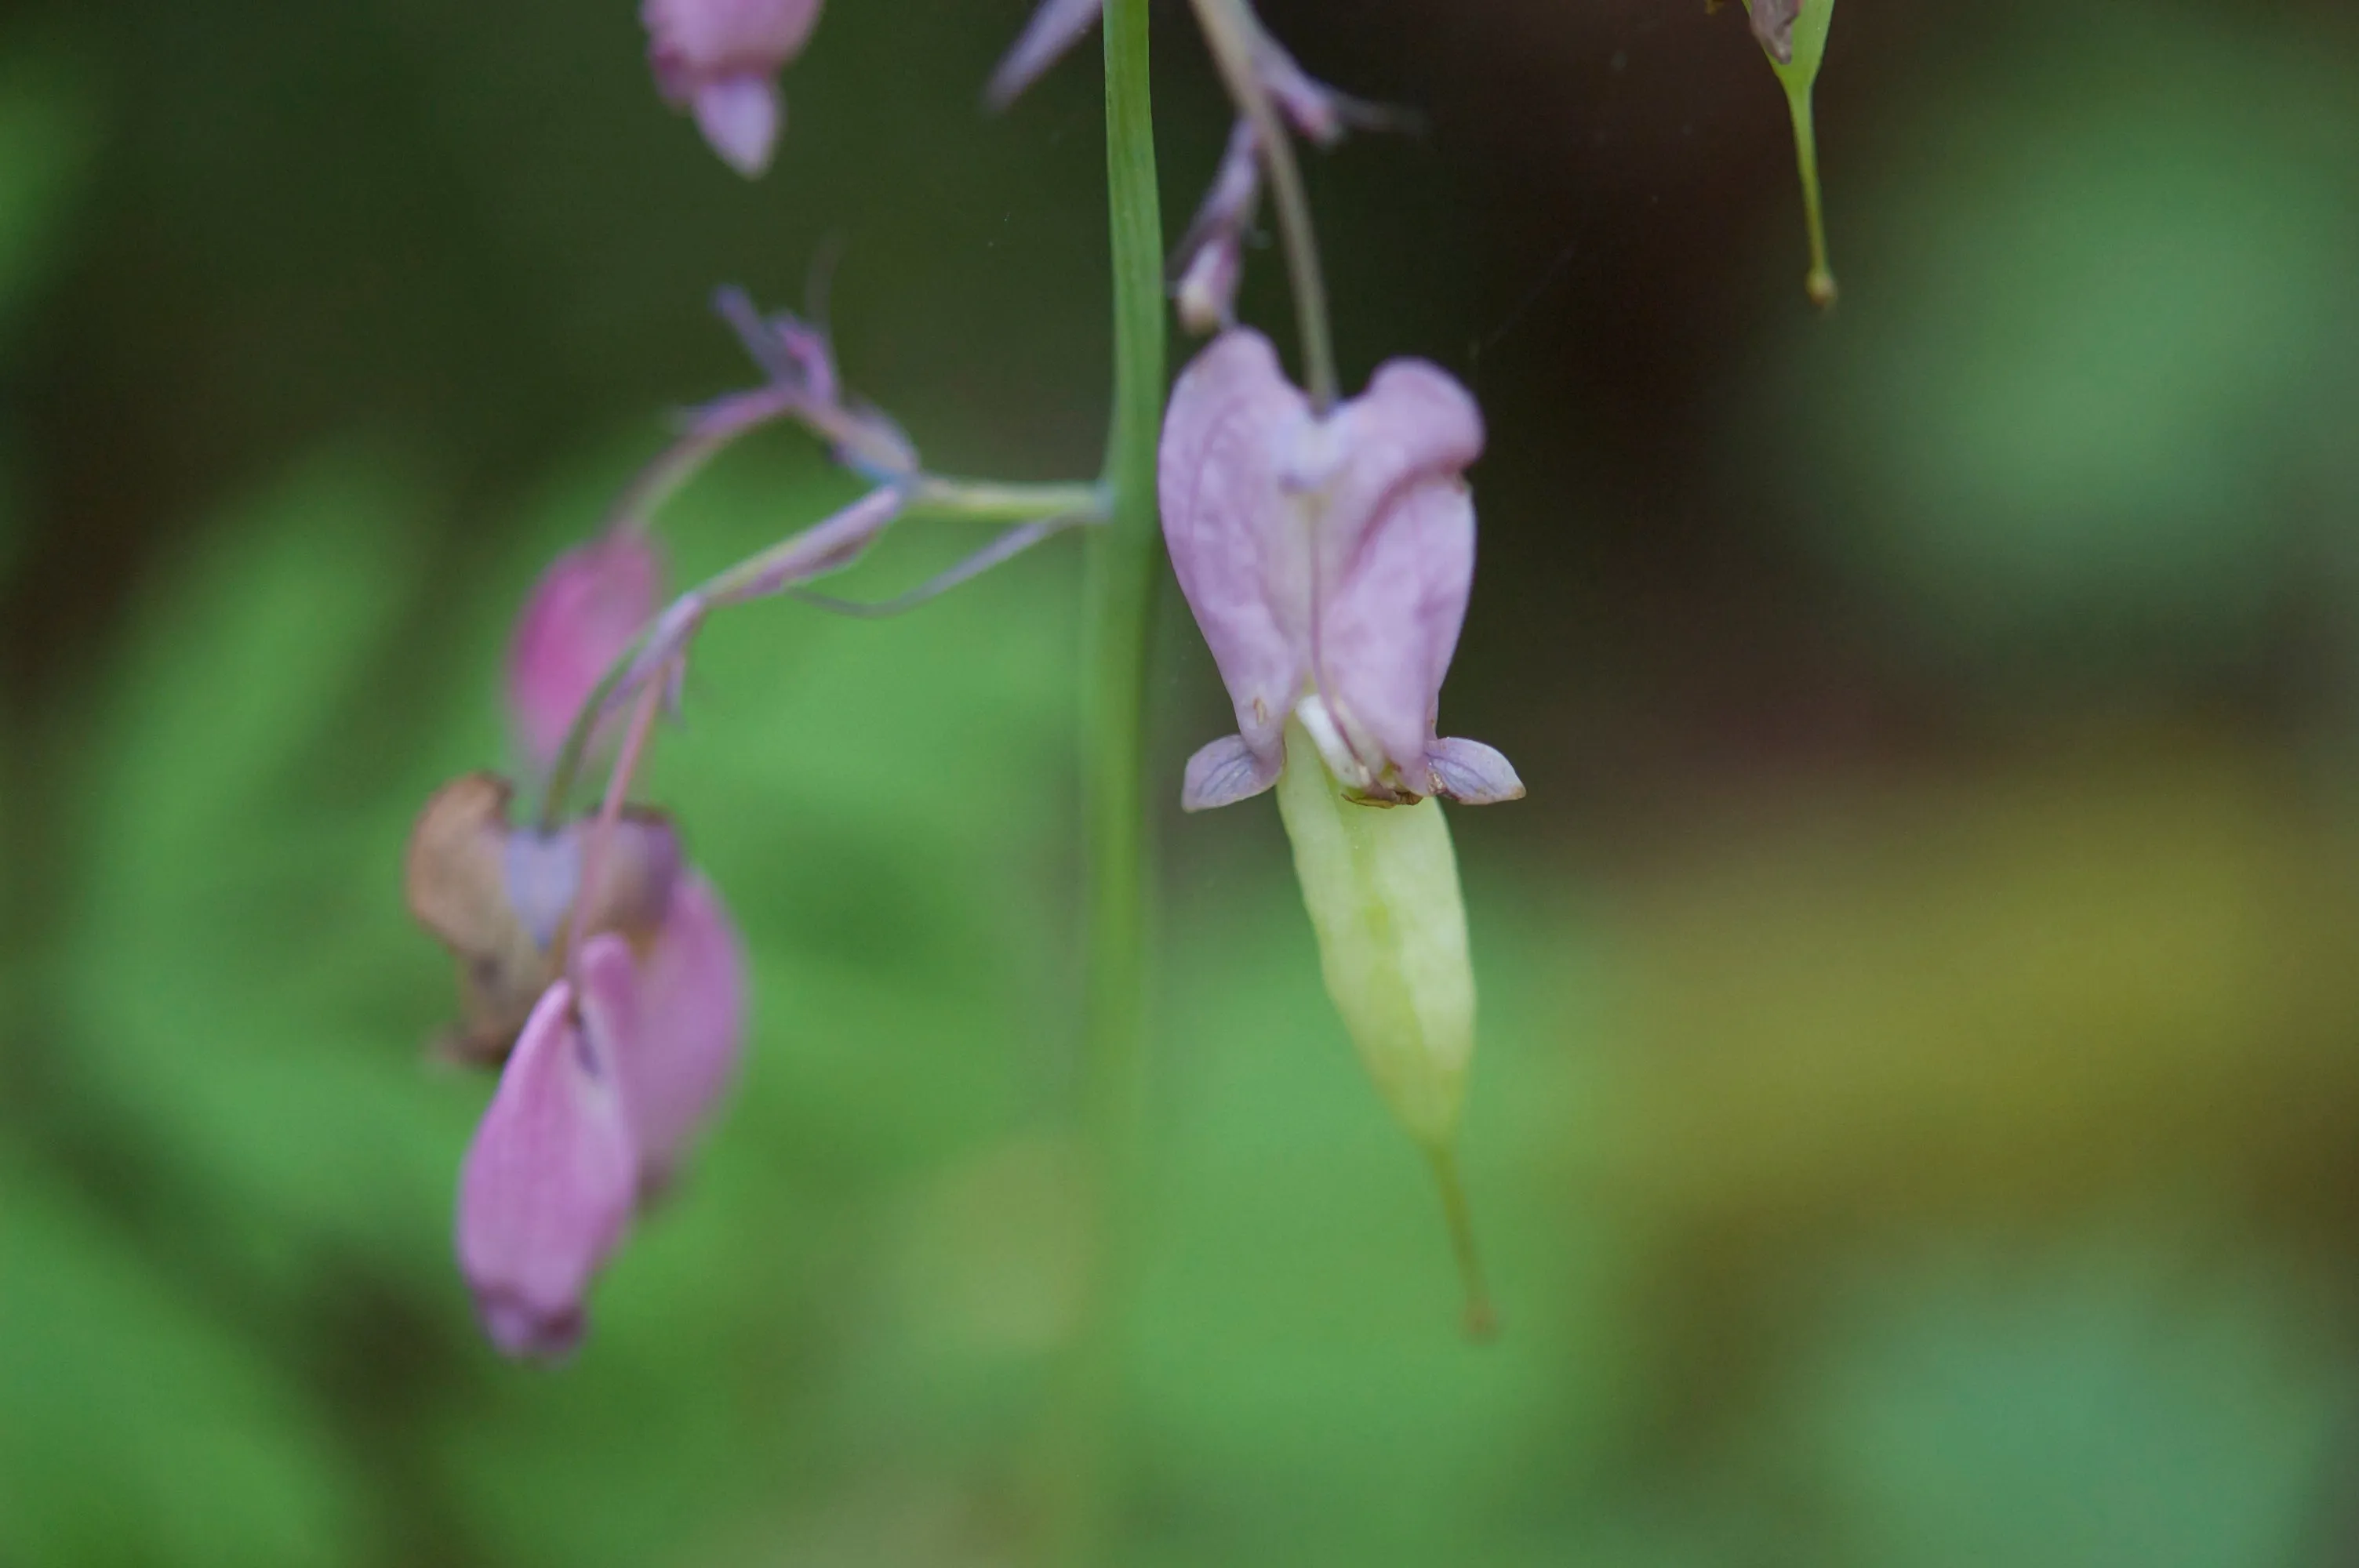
x: 719, y: 59
x: 579, y: 618
x: 595, y: 967
x: 1327, y: 557
x: 1328, y: 560
x: 550, y: 1179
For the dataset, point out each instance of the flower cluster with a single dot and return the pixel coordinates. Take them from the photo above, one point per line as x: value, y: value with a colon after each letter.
x: 1328, y: 560
x: 598, y: 968
x: 1325, y: 545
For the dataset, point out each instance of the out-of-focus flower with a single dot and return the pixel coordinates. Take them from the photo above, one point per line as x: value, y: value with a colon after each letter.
x: 499, y: 896
x: 1055, y: 28
x: 1315, y: 109
x: 551, y: 1177
x: 621, y: 1057
x: 603, y: 972
x: 1328, y: 560
x: 803, y: 384
x: 719, y: 59
x: 579, y: 618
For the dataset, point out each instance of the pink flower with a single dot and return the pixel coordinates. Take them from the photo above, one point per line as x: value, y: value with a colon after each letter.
x: 549, y: 1183
x: 1328, y: 560
x: 579, y: 618
x: 616, y: 1068
x: 719, y: 59
x: 614, y: 1059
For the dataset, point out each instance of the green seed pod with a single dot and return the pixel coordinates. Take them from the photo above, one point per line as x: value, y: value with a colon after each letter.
x: 1381, y: 884
x: 1795, y: 38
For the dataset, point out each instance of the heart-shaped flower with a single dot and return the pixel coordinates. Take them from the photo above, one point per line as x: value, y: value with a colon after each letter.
x: 1328, y: 559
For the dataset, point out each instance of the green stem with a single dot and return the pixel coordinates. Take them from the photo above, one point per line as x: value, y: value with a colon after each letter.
x: 988, y: 501
x: 1482, y: 1319
x: 1083, y: 1460
x: 1821, y: 282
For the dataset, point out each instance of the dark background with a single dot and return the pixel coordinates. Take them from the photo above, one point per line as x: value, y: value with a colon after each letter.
x: 1919, y: 1089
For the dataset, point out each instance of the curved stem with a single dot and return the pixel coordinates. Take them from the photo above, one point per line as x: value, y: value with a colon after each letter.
x: 1234, y: 34
x: 1084, y: 1464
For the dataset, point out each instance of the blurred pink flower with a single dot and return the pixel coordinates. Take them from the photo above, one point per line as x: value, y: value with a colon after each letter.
x: 615, y: 1072
x: 577, y: 620
x: 547, y: 1189
x: 719, y: 59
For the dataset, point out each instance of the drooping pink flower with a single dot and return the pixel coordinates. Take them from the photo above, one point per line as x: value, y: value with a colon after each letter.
x: 577, y: 622
x: 1328, y: 560
x: 550, y: 1178
x: 618, y: 1065
x: 592, y: 962
x: 719, y: 59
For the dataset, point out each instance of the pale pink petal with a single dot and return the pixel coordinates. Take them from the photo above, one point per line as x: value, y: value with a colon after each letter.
x: 1225, y: 773
x: 692, y: 1014
x: 1242, y: 563
x: 1472, y: 773
x: 741, y: 117
x: 549, y: 1181
x: 694, y: 41
x: 1414, y: 425
x: 579, y: 618
x: 1389, y: 623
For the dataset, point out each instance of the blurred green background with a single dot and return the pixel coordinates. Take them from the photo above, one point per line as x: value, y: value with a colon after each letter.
x: 1917, y: 1117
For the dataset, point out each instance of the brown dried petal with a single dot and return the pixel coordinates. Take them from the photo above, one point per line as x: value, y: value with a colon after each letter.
x: 498, y: 897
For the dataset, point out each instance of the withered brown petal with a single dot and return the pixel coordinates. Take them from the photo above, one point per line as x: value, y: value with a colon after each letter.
x: 455, y: 877
x: 1773, y: 24
x: 462, y: 874
x: 454, y: 872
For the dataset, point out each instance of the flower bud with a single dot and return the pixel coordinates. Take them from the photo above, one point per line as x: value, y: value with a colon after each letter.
x: 1206, y: 294
x: 551, y: 1180
x: 579, y: 619
x: 1210, y: 256
x: 719, y: 59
